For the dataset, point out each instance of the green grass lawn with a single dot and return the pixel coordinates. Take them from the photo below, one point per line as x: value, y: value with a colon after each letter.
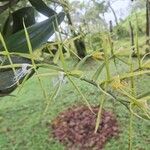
x: 24, y: 127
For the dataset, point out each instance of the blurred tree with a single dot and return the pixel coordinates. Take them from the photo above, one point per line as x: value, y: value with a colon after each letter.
x: 113, y: 11
x: 138, y: 5
x: 148, y: 25
x: 95, y: 13
x: 78, y: 42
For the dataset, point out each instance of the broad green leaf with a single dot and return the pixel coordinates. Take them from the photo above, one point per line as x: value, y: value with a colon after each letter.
x: 39, y: 33
x: 14, y: 22
x: 26, y: 13
x: 42, y: 8
x: 8, y: 26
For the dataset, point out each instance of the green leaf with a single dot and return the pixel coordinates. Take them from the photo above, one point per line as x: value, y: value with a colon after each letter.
x: 8, y: 26
x: 14, y: 22
x: 42, y: 8
x: 26, y: 13
x: 39, y: 33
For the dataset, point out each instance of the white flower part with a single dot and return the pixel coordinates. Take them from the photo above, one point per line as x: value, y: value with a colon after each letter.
x: 2, y: 59
x: 22, y: 72
x: 60, y: 78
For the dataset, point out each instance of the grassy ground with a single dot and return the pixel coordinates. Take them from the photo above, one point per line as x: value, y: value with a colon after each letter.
x: 24, y: 127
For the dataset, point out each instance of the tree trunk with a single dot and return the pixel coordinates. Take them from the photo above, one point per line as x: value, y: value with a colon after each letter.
x: 78, y: 43
x: 110, y: 26
x: 132, y: 39
x: 148, y: 25
x: 111, y: 37
x: 114, y: 13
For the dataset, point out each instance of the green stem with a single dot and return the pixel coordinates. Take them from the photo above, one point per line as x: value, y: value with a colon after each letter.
x: 130, y: 131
